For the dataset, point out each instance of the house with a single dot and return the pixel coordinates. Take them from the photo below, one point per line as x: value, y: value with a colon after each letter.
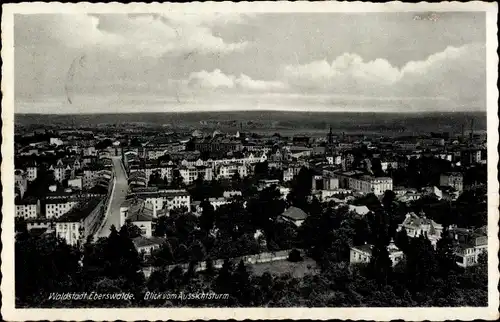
x: 469, y: 245
x: 231, y: 193
x: 360, y: 210
x: 416, y: 226
x: 294, y: 215
x: 146, y: 245
x: 142, y: 217
x: 363, y: 254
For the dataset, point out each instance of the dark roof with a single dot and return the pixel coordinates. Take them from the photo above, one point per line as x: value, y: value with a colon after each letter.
x: 140, y: 213
x: 142, y: 241
x: 27, y: 201
x: 294, y: 213
x: 80, y: 211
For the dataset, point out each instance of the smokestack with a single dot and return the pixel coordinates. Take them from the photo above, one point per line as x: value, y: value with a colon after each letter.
x: 471, y: 135
x: 463, y: 132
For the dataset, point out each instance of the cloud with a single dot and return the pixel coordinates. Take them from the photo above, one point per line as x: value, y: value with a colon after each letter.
x: 210, y: 80
x: 127, y: 35
x: 218, y: 80
x: 452, y: 73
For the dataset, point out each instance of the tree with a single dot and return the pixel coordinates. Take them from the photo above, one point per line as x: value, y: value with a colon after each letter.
x: 164, y: 255
x: 43, y: 265
x: 236, y: 179
x: 421, y: 263
x: 157, y: 281
x: 295, y: 256
x: 241, y: 285
x: 301, y: 188
x: 223, y: 280
x: 446, y: 253
x: 401, y: 240
x: 261, y: 170
x: 177, y: 179
x: 130, y: 229
x: 380, y: 263
x: 207, y: 217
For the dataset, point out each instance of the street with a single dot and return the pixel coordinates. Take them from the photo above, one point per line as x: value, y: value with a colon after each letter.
x: 117, y: 198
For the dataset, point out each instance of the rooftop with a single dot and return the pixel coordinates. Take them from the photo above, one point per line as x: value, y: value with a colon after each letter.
x: 142, y: 241
x: 81, y: 211
x: 294, y: 213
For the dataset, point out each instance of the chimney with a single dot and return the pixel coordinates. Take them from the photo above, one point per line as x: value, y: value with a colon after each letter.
x: 471, y: 135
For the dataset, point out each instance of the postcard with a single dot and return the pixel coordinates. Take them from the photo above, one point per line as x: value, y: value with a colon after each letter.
x: 253, y: 160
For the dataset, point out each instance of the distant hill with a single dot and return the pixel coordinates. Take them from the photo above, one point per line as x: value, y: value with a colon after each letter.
x: 275, y: 121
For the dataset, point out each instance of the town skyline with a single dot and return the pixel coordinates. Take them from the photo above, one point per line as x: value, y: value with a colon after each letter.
x: 94, y: 63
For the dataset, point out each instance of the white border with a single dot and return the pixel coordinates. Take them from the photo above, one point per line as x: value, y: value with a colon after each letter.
x: 7, y: 169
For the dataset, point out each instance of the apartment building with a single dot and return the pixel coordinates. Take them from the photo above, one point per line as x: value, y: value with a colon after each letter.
x: 165, y: 199
x: 81, y: 222
x: 190, y: 173
x: 452, y: 179
x: 227, y: 171
x: 57, y: 207
x: 28, y: 208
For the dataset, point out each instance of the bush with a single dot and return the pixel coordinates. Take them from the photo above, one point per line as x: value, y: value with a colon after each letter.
x: 295, y: 256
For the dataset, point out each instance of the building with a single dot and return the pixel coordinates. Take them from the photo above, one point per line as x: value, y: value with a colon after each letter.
x: 294, y: 215
x: 231, y: 193
x: 81, y: 222
x: 360, y: 210
x: 364, y: 183
x: 452, y: 179
x: 20, y: 182
x: 146, y: 246
x: 470, y: 156
x: 138, y: 179
x: 416, y: 226
x: 469, y: 245
x: 76, y: 183
x: 142, y: 217
x: 57, y: 207
x: 217, y: 143
x: 227, y: 171
x: 363, y: 254
x: 217, y: 202
x: 330, y: 183
x: 166, y: 199
x: 32, y: 171
x: 28, y: 208
x: 190, y: 173
x: 55, y: 141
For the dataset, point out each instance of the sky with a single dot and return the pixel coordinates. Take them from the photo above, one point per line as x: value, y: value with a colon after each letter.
x: 177, y: 62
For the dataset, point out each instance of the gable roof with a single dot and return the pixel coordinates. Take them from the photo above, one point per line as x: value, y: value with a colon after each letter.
x: 294, y: 213
x: 142, y: 241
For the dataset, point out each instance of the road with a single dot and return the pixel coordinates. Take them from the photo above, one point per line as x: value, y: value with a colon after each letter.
x: 117, y: 197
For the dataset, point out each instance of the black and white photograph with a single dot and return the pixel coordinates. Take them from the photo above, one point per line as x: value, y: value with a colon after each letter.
x: 250, y: 156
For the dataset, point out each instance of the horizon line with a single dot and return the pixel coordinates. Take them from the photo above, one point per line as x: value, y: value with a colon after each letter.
x: 259, y: 111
